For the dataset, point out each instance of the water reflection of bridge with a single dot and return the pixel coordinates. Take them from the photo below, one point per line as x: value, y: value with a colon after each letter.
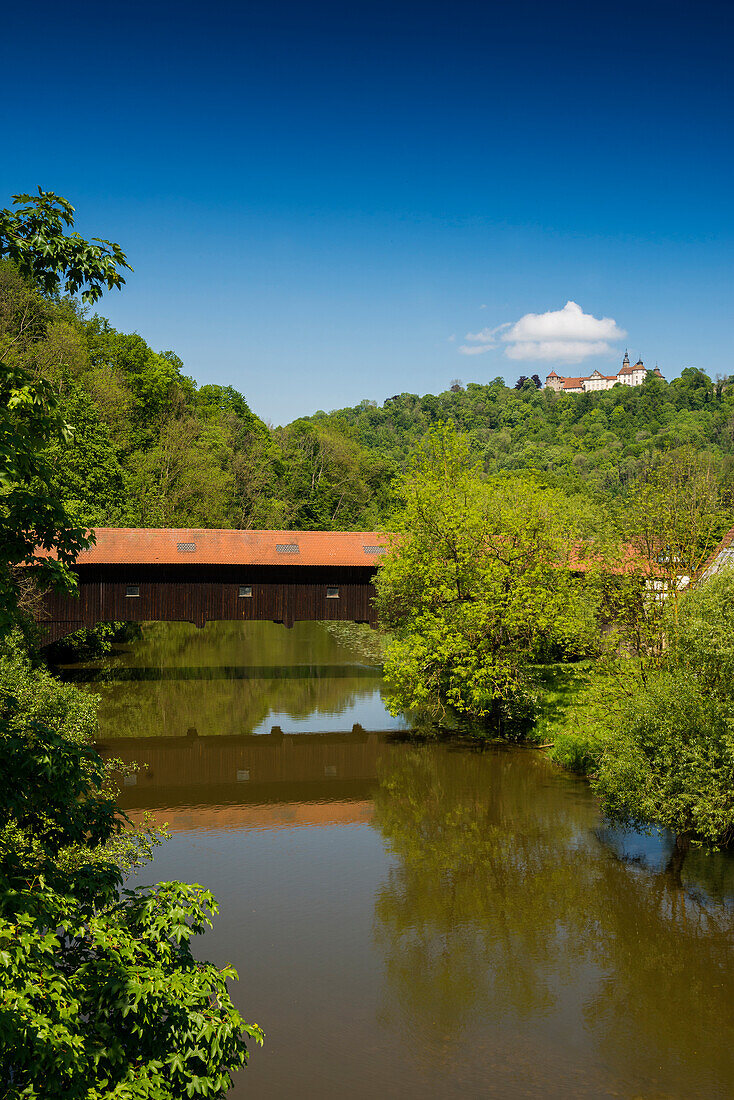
x: 235, y: 781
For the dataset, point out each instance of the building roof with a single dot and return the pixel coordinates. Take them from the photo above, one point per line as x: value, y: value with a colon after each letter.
x: 572, y: 383
x: 720, y: 557
x: 199, y: 546
x: 627, y: 369
x: 553, y: 375
x: 173, y: 546
x: 582, y: 558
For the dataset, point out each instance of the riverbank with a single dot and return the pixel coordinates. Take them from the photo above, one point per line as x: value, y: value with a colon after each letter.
x: 566, y: 723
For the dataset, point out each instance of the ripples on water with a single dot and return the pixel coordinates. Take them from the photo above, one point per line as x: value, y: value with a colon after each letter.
x: 412, y: 920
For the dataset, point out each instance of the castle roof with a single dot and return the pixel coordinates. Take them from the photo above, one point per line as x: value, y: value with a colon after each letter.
x: 572, y: 383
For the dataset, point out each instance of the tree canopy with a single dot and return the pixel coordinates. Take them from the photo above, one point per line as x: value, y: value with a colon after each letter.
x: 666, y: 756
x: 477, y: 584
x: 101, y: 996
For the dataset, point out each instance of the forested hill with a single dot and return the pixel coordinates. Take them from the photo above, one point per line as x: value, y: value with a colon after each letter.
x: 150, y: 448
x: 597, y: 440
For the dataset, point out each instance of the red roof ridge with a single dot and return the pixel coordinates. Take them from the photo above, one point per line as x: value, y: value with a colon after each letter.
x: 227, y: 546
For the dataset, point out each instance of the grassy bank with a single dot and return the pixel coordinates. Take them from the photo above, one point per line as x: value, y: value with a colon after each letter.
x: 567, y: 715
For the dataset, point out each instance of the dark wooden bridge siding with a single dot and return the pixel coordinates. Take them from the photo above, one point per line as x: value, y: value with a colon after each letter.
x: 200, y: 593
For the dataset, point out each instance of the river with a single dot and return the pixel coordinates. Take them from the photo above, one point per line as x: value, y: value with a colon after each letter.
x: 412, y: 920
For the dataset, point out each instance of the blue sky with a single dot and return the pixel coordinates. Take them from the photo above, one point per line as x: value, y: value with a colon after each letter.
x: 322, y: 200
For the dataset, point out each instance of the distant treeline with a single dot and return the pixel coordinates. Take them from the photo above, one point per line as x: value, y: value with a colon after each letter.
x: 597, y: 441
x: 150, y: 448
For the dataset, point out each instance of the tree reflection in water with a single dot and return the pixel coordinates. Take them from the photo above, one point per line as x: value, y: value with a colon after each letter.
x: 225, y: 679
x: 503, y: 907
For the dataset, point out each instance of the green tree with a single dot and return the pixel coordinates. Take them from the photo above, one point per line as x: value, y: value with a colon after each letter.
x: 31, y: 514
x: 332, y: 481
x: 671, y: 517
x: 100, y: 994
x: 477, y: 585
x: 34, y: 237
x: 667, y: 754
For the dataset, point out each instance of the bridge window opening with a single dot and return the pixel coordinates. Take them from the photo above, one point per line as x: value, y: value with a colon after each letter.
x: 332, y: 593
x: 186, y: 547
x: 287, y: 547
x: 132, y: 590
x: 245, y: 590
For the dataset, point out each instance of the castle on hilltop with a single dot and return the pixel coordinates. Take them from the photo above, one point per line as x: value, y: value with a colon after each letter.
x: 627, y: 376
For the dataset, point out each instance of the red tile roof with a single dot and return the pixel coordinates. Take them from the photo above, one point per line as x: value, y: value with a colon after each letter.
x: 583, y: 559
x: 572, y: 383
x: 197, y: 546
x: 160, y: 546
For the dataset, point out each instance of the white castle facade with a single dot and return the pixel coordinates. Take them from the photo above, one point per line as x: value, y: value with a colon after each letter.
x: 627, y: 376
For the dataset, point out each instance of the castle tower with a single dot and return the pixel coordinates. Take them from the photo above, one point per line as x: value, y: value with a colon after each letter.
x: 626, y: 360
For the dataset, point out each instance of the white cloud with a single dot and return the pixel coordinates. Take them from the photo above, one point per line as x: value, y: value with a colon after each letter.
x: 570, y: 351
x: 486, y: 336
x: 567, y: 335
x: 484, y: 339
x: 474, y: 349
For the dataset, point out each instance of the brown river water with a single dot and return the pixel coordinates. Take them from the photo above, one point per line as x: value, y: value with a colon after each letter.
x: 410, y: 919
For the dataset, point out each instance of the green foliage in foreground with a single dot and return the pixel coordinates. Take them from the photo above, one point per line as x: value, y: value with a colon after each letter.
x: 34, y: 236
x: 100, y: 995
x: 109, y: 1001
x: 656, y: 736
x: 670, y: 757
x: 474, y: 589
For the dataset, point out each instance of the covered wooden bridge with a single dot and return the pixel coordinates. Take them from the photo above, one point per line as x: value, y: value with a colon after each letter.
x: 187, y: 575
